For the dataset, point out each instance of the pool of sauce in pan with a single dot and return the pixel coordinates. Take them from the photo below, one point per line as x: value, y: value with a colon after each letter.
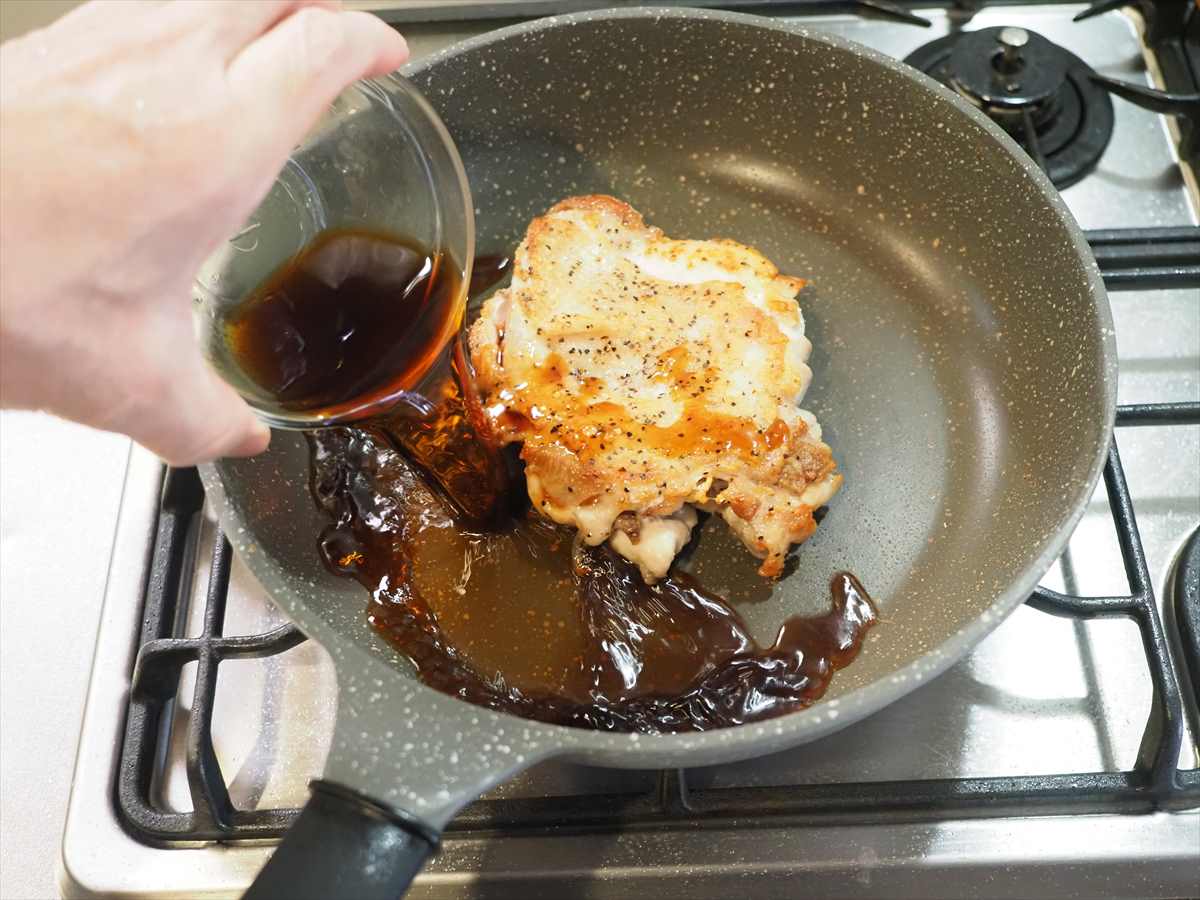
x: 489, y: 601
x: 521, y: 619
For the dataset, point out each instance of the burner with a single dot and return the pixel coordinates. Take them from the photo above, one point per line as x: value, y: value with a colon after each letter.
x: 1038, y: 92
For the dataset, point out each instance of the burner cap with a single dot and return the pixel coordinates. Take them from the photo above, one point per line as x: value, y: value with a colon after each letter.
x: 1007, y: 68
x: 1040, y: 93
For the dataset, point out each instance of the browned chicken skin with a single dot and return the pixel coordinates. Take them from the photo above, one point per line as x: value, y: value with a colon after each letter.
x: 646, y: 378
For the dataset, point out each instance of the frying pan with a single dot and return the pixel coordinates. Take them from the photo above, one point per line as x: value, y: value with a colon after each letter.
x: 964, y: 375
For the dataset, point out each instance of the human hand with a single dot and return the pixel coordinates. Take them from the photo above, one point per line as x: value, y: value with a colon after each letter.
x: 135, y: 137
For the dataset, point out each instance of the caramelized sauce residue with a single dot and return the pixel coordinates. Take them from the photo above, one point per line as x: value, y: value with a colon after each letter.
x: 523, y: 620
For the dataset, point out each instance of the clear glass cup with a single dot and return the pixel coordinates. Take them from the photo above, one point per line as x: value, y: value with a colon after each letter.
x: 379, y: 159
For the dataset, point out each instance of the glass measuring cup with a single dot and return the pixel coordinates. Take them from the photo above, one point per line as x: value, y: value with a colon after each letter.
x: 379, y: 161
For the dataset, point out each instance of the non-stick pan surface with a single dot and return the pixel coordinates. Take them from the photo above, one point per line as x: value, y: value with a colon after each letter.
x: 964, y: 360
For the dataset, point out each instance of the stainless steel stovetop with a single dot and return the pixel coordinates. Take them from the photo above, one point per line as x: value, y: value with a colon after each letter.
x: 1041, y: 695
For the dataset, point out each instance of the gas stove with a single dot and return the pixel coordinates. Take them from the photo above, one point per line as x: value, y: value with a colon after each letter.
x: 1060, y: 757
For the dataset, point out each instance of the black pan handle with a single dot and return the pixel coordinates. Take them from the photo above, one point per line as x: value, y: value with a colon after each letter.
x: 345, y: 845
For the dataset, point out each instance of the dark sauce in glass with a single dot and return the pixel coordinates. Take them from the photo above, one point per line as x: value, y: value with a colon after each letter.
x: 347, y: 323
x: 492, y: 603
x: 364, y: 326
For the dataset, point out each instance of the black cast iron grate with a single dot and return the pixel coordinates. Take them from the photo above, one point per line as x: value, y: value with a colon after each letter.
x: 1129, y: 259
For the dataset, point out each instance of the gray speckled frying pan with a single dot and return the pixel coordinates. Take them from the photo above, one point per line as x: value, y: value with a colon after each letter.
x: 964, y: 375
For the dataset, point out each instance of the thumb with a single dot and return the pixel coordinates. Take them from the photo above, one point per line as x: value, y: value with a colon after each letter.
x: 202, y: 419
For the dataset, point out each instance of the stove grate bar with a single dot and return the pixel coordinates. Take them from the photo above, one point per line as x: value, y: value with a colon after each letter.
x: 1140, y: 258
x: 1145, y: 414
x: 1156, y: 769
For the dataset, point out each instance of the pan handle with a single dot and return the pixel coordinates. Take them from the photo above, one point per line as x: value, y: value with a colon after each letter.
x: 344, y: 844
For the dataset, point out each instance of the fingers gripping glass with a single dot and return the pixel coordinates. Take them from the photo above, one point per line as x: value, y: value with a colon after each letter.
x: 346, y: 286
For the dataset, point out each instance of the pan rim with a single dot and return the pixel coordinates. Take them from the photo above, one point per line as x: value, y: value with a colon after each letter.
x: 824, y: 717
